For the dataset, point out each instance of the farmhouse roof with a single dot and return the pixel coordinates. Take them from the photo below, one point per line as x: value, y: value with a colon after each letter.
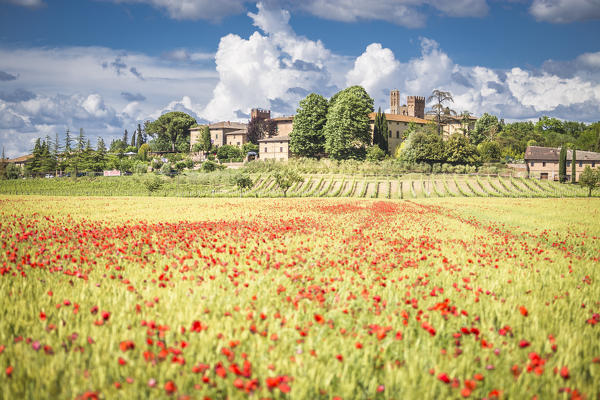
x: 21, y: 159
x: 228, y: 124
x: 400, y: 118
x: 275, y: 139
x: 283, y: 119
x: 236, y: 132
x: 553, y: 153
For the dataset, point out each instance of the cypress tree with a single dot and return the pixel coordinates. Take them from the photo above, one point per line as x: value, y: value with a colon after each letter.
x: 562, y: 165
x: 573, y: 168
x: 140, y: 138
x: 125, y: 138
x: 133, y: 139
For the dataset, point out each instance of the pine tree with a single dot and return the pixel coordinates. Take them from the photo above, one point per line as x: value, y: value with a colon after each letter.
x: 562, y: 165
x: 80, y: 141
x: 573, y: 168
x: 56, y: 153
x: 68, y: 141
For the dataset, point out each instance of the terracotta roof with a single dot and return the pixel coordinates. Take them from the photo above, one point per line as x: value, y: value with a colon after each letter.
x: 456, y: 118
x: 283, y: 119
x: 553, y: 153
x: 20, y: 159
x: 400, y: 118
x: 276, y: 139
x: 228, y: 124
x: 238, y: 132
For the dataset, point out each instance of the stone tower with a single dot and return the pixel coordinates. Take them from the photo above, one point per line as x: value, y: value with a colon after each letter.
x: 259, y: 113
x: 395, y: 102
x: 416, y: 106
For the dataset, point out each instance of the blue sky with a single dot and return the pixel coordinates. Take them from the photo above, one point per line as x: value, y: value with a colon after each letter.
x: 105, y: 65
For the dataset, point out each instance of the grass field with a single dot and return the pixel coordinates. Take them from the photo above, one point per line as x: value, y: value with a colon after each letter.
x: 304, y: 298
x: 220, y: 184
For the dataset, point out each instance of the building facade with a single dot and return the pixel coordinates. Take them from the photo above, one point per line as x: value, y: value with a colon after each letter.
x: 276, y: 148
x: 414, y: 107
x: 542, y: 162
x: 397, y: 125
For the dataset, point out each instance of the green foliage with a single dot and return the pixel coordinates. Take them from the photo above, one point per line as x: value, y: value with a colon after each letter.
x: 242, y: 182
x: 489, y: 151
x: 228, y: 152
x: 562, y: 165
x: 143, y: 152
x: 374, y: 153
x: 166, y: 169
x: 210, y: 166
x: 347, y: 130
x: 11, y: 171
x: 248, y: 147
x: 153, y: 184
x: 286, y: 178
x: 173, y: 128
x: 590, y: 178
x: 180, y: 165
x: 459, y: 150
x: 380, y: 131
x: 424, y: 145
x: 204, y: 144
x: 307, y: 138
x: 487, y: 128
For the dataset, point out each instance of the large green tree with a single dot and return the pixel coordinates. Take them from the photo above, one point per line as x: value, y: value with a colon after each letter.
x: 347, y: 130
x: 486, y: 128
x: 590, y: 178
x: 172, y: 127
x: 307, y: 138
x: 439, y: 110
x: 380, y: 131
x: 424, y: 145
x: 459, y: 150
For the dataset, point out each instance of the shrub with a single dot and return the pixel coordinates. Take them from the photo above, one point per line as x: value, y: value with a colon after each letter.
x: 374, y: 153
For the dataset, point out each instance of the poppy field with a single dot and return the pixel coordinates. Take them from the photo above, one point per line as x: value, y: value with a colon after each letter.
x: 303, y: 298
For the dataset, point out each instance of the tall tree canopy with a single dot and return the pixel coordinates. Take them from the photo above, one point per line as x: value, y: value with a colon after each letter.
x: 172, y: 127
x: 440, y: 98
x: 487, y: 127
x: 348, y: 131
x: 307, y: 138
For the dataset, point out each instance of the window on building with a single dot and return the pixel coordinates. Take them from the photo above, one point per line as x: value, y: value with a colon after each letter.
x: 593, y: 165
x: 390, y: 133
x: 216, y: 136
x: 397, y: 134
x: 266, y: 149
x: 580, y: 164
x: 281, y: 149
x: 544, y: 164
x: 238, y: 143
x: 532, y: 164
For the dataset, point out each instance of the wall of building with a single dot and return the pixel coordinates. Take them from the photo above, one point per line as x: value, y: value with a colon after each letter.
x: 237, y: 139
x: 395, y: 131
x: 284, y: 128
x: 537, y: 169
x: 277, y: 150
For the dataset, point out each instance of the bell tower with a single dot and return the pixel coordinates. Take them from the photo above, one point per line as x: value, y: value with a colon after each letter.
x: 395, y: 102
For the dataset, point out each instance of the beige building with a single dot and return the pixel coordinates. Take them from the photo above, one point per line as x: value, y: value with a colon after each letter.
x: 283, y: 125
x: 454, y: 124
x: 542, y: 162
x: 397, y: 124
x: 276, y: 148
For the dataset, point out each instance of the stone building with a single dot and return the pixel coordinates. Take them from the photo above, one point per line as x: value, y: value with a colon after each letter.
x: 542, y: 162
x: 454, y: 124
x: 275, y: 148
x: 284, y: 125
x: 414, y: 107
x: 397, y: 124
